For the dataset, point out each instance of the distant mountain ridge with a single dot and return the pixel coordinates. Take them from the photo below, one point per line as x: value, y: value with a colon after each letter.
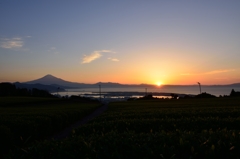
x: 52, y: 80
x: 235, y: 84
x: 49, y: 88
x: 58, y: 82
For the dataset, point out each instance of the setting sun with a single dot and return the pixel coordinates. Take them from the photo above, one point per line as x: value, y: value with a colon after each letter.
x: 159, y: 83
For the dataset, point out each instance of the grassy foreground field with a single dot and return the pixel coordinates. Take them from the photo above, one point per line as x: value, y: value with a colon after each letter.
x: 27, y: 119
x: 186, y: 128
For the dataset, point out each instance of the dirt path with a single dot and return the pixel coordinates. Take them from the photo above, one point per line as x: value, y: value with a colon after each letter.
x: 65, y: 133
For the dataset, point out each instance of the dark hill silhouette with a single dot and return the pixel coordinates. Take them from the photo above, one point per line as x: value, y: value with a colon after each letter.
x: 54, y: 81
x: 205, y: 95
x: 16, y: 89
x: 108, y: 84
x: 234, y: 93
x: 58, y: 82
x: 235, y: 84
x: 49, y: 88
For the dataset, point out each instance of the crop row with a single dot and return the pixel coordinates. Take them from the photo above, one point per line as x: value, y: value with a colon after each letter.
x: 20, y: 125
x: 199, y: 128
x: 129, y: 144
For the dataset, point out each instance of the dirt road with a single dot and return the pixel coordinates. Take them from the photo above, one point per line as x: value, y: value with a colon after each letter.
x: 65, y: 133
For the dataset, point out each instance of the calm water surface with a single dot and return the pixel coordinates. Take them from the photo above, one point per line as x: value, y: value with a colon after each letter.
x: 194, y: 90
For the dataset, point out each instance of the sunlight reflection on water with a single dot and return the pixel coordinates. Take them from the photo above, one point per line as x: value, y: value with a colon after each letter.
x: 194, y: 90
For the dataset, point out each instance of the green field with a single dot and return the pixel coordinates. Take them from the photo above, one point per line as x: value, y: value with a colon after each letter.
x: 24, y: 120
x: 186, y: 128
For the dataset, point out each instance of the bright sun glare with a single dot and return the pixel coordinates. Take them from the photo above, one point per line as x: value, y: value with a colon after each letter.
x: 159, y: 83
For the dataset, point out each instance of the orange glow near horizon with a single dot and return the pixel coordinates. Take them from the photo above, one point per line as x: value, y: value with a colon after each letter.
x: 159, y: 83
x: 157, y: 75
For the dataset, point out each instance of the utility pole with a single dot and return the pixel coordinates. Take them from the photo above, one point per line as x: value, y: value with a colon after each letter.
x: 57, y: 91
x: 200, y: 87
x: 100, y: 93
x: 145, y: 91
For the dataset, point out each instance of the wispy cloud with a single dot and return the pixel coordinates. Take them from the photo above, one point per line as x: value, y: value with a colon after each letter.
x: 107, y: 51
x: 89, y: 58
x: 220, y: 71
x: 113, y: 59
x: 94, y: 55
x: 53, y: 50
x: 210, y: 72
x: 13, y: 43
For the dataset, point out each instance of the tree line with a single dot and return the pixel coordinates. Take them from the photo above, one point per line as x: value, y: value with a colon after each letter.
x: 9, y: 89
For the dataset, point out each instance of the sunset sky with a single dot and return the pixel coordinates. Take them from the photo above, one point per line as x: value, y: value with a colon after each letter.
x: 124, y: 41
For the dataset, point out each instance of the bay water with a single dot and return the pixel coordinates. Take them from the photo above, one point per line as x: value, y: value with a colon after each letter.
x: 190, y: 90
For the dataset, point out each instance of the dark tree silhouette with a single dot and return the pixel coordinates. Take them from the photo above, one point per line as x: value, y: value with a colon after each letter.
x: 9, y: 89
x: 205, y: 95
x: 234, y: 93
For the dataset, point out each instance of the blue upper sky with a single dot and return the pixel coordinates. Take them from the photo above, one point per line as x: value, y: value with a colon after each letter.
x: 126, y: 41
